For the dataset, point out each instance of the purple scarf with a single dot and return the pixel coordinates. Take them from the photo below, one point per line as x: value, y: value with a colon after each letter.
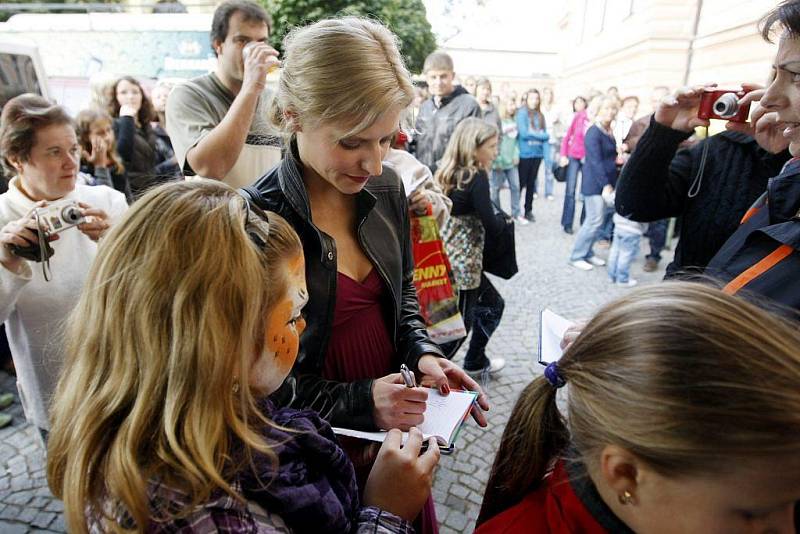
x: 315, y: 488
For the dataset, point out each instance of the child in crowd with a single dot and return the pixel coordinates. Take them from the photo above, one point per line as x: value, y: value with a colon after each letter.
x: 678, y: 403
x: 624, y: 246
x: 504, y: 168
x: 99, y: 158
x: 162, y: 422
x: 463, y: 176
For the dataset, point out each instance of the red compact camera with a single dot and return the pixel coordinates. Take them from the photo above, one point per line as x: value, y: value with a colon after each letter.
x: 723, y: 104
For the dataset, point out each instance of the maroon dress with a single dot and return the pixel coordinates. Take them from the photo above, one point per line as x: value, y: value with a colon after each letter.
x: 361, y: 347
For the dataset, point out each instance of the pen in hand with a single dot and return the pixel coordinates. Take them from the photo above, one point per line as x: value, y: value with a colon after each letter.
x: 408, y: 376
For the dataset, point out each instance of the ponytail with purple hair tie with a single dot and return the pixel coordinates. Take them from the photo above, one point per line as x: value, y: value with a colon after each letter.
x: 553, y: 376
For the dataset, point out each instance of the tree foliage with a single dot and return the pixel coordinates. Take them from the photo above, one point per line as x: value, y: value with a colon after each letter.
x: 406, y: 18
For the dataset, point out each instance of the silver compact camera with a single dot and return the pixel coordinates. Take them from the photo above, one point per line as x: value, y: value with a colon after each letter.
x: 50, y: 219
x: 58, y: 217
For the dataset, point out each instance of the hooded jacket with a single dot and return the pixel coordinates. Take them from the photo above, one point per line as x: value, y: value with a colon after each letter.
x: 436, y: 125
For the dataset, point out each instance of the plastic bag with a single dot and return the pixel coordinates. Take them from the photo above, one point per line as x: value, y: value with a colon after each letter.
x: 433, y: 279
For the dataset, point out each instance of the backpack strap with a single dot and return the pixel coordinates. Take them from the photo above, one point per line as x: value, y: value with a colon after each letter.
x: 767, y: 263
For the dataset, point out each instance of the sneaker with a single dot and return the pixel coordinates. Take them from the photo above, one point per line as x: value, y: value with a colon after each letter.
x: 630, y: 283
x: 551, y: 197
x: 583, y: 265
x: 650, y: 265
x: 597, y: 262
x: 495, y: 365
x: 522, y: 221
x: 530, y: 217
x: 535, y: 195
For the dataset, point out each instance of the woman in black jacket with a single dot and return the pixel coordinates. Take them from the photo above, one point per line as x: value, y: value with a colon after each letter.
x: 339, y: 102
x: 463, y: 176
x: 136, y: 141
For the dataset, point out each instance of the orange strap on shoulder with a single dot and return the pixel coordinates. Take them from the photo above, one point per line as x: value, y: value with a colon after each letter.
x: 750, y: 213
x: 758, y: 269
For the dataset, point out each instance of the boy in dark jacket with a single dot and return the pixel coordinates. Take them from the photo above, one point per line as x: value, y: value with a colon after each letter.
x: 448, y: 105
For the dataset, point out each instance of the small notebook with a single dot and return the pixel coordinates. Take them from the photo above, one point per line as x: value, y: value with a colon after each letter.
x: 444, y: 416
x: 551, y: 332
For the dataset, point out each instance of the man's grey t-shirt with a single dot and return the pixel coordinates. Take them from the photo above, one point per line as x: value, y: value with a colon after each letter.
x: 196, y: 107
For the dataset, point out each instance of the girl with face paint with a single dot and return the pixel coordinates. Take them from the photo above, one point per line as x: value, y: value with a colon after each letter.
x: 169, y: 414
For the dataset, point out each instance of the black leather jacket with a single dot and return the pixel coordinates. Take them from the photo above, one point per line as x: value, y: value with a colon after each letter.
x: 384, y: 235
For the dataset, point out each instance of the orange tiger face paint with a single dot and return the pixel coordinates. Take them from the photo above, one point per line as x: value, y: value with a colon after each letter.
x: 284, y: 324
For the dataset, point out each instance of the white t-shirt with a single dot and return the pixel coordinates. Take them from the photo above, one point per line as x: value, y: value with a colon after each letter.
x: 34, y: 310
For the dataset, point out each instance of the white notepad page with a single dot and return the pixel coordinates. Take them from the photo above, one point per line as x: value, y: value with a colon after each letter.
x: 443, y: 416
x: 551, y: 331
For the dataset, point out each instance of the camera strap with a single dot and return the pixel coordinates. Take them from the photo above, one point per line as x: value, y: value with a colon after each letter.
x: 42, y: 235
x: 698, y: 180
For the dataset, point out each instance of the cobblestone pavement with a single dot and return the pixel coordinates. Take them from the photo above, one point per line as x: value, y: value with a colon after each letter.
x: 544, y: 280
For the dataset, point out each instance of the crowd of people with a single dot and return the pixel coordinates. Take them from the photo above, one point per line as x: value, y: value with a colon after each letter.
x: 198, y: 283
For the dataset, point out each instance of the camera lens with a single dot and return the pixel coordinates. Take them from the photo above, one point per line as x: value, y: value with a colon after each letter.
x: 726, y: 106
x: 71, y: 215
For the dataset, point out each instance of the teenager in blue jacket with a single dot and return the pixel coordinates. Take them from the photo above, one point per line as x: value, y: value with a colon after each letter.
x: 532, y: 138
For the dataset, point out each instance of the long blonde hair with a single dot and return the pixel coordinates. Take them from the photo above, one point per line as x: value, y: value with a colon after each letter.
x: 690, y: 380
x: 458, y: 166
x: 345, y: 71
x: 170, y: 320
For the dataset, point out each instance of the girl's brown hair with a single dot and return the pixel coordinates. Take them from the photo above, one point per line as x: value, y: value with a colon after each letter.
x: 165, y: 330
x: 690, y: 380
x: 146, y: 113
x: 83, y: 128
x: 532, y: 115
x: 22, y: 117
x: 458, y: 166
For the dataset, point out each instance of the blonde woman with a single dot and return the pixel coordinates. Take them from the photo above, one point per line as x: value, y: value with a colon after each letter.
x: 464, y: 176
x: 161, y: 421
x: 679, y: 398
x: 339, y: 102
x: 599, y: 177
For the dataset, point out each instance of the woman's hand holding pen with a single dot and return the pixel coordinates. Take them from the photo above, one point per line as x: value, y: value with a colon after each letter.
x: 444, y: 375
x: 395, y: 405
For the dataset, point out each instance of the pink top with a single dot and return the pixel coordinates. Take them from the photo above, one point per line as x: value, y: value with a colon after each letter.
x: 572, y: 145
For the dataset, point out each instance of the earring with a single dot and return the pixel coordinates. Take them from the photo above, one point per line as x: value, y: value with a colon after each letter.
x: 625, y: 498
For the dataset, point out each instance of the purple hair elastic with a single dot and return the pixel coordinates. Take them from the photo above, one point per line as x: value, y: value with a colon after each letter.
x: 553, y: 376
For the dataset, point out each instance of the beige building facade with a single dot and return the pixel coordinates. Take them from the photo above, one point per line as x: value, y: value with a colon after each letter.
x: 636, y: 45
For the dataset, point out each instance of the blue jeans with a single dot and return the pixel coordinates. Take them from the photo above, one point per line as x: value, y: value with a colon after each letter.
x: 607, y: 229
x: 482, y: 308
x: 549, y: 179
x: 657, y: 232
x: 499, y: 176
x: 587, y: 235
x: 623, y: 251
x: 568, y: 215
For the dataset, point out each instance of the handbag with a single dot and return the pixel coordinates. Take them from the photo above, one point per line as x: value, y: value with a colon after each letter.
x: 500, y: 252
x: 559, y: 172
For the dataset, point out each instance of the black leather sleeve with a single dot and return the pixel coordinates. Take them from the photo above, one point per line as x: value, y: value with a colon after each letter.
x: 344, y: 404
x: 412, y: 336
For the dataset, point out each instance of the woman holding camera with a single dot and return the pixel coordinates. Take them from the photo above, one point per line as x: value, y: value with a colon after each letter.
x: 763, y: 255
x: 40, y: 148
